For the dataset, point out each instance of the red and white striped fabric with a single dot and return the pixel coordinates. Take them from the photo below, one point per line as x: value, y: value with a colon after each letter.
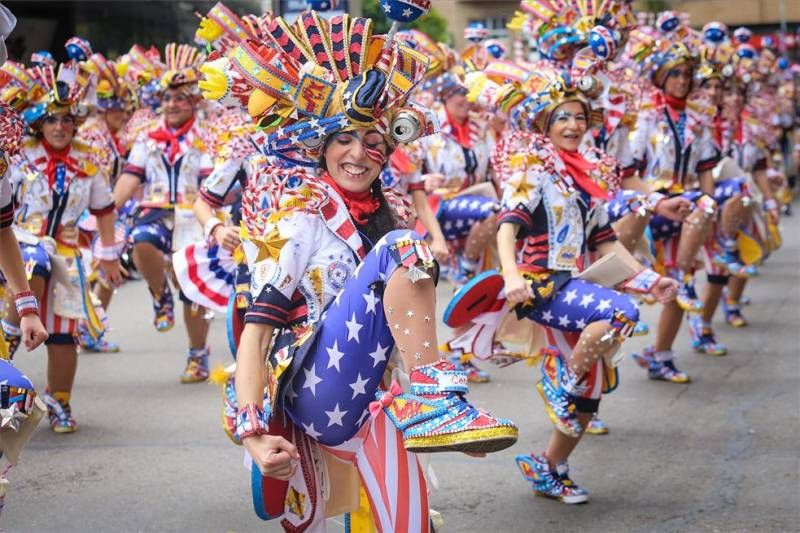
x: 391, y: 476
x: 206, y: 274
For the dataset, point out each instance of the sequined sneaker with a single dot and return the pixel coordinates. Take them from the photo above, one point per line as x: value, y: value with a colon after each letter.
x: 562, y: 470
x: 687, y: 298
x: 596, y: 426
x: 60, y: 416
x: 434, y: 416
x: 660, y: 370
x: 164, y: 310
x: 640, y: 329
x: 557, y: 380
x: 733, y: 314
x: 90, y: 344
x: 548, y: 483
x: 734, y: 265
x: 703, y: 339
x: 474, y: 374
x: 196, y: 366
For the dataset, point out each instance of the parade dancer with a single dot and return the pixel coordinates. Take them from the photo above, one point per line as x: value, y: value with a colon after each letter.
x: 335, y: 286
x: 553, y: 216
x: 673, y: 151
x: 170, y: 161
x: 55, y: 181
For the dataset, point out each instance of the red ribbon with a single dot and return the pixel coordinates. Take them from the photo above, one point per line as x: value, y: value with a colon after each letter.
x: 56, y: 157
x: 359, y: 204
x: 385, y: 400
x: 172, y: 137
x: 578, y: 167
x: 460, y: 131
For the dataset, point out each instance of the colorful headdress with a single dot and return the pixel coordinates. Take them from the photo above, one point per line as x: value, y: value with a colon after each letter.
x: 42, y: 58
x: 19, y: 86
x: 78, y: 49
x: 52, y: 92
x: 182, y: 63
x: 222, y: 29
x: 529, y: 104
x: 715, y: 53
x: 111, y: 89
x: 314, y: 78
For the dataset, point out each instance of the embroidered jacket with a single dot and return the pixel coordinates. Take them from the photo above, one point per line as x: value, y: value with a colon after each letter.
x: 6, y: 196
x: 169, y: 181
x: 51, y: 205
x: 743, y: 142
x: 667, y: 159
x: 107, y: 149
x: 558, y: 222
x: 442, y: 153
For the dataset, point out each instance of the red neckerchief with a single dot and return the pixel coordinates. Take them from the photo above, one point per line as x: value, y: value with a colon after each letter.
x: 171, y: 137
x: 739, y: 132
x: 717, y: 128
x: 460, y: 131
x: 675, y: 106
x: 578, y: 167
x: 359, y: 204
x: 117, y: 142
x: 54, y: 157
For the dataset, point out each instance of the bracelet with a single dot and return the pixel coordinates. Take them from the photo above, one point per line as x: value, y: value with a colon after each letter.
x: 211, y: 224
x: 26, y: 303
x: 251, y: 420
x: 638, y: 204
x: 643, y: 282
x: 106, y: 253
x: 770, y: 204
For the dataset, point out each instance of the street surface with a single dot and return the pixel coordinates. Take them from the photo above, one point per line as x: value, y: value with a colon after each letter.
x: 720, y: 454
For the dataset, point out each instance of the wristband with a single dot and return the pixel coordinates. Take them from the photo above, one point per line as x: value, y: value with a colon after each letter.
x: 638, y: 204
x: 770, y: 204
x: 208, y: 229
x: 643, y: 282
x: 251, y: 420
x: 106, y: 253
x: 26, y: 303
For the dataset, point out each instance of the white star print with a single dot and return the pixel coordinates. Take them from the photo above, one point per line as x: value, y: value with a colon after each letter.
x: 563, y: 321
x: 358, y: 386
x: 570, y: 295
x: 580, y: 324
x: 379, y: 355
x: 387, y: 8
x: 335, y: 416
x: 311, y: 380
x: 334, y: 356
x: 603, y: 305
x: 371, y: 300
x: 547, y: 316
x: 586, y: 299
x: 407, y: 12
x: 311, y: 432
x: 353, y: 327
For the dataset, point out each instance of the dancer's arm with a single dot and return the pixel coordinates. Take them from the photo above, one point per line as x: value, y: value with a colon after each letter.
x: 225, y: 236
x: 518, y: 290
x: 273, y: 455
x: 428, y: 219
x: 664, y: 289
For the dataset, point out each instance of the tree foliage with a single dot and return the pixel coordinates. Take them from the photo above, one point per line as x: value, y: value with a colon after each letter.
x: 433, y: 23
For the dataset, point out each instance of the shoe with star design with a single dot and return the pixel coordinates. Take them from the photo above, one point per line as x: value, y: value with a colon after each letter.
x: 196, y: 366
x: 60, y: 415
x: 474, y: 374
x: 558, y: 388
x: 434, y: 416
x: 596, y: 426
x: 547, y: 482
x: 702, y: 336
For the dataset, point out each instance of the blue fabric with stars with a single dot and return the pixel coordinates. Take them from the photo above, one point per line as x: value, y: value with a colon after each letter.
x: 619, y: 206
x: 340, y: 373
x: 154, y: 232
x: 726, y: 189
x: 663, y: 228
x: 457, y: 215
x: 579, y: 303
x: 36, y: 255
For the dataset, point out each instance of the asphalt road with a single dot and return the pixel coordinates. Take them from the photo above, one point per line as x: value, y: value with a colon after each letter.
x: 720, y: 454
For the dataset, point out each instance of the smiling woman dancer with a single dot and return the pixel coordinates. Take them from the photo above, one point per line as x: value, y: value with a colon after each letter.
x: 335, y: 286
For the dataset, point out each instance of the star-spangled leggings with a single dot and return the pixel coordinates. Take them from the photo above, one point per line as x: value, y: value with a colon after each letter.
x: 344, y: 367
x: 457, y: 215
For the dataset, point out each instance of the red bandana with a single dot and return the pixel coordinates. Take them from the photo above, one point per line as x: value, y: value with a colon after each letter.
x: 54, y: 157
x: 172, y: 137
x: 578, y: 167
x: 359, y: 204
x: 460, y: 131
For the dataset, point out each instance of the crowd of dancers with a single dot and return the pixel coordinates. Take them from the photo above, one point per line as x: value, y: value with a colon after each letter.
x: 313, y: 181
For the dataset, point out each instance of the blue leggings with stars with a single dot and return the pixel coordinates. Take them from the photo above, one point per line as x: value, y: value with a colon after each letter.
x: 580, y: 303
x: 345, y: 365
x: 457, y: 215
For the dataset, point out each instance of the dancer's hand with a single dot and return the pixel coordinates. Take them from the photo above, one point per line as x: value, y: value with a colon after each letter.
x: 665, y: 290
x: 227, y: 236
x: 439, y: 250
x: 676, y: 208
x: 114, y: 271
x: 434, y: 181
x: 518, y: 289
x: 33, y: 331
x: 274, y: 456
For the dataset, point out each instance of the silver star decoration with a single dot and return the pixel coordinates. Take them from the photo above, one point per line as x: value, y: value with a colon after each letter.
x: 415, y: 274
x: 11, y: 416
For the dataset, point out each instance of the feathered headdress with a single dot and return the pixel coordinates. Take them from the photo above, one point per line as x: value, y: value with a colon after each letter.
x: 182, y: 64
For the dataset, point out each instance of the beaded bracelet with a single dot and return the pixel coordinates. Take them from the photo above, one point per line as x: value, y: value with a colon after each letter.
x: 251, y: 420
x: 26, y: 303
x: 106, y: 253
